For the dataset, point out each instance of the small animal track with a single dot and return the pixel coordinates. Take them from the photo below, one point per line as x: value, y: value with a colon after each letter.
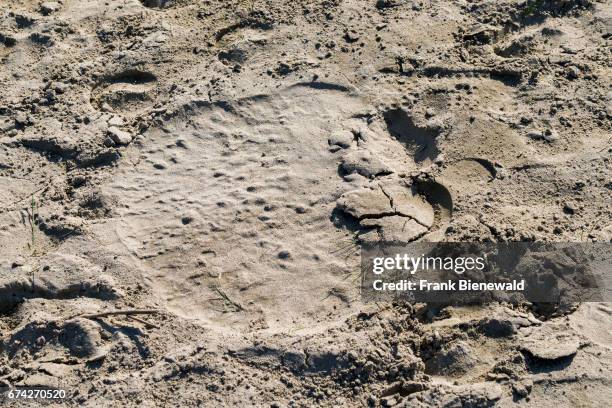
x: 440, y: 199
x: 471, y: 170
x: 254, y: 22
x: 419, y: 141
x: 128, y: 92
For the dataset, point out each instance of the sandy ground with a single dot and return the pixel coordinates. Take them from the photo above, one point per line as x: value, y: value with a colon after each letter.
x: 221, y: 162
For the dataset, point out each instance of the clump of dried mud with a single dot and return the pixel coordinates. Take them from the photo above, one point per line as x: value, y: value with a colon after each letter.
x: 220, y: 162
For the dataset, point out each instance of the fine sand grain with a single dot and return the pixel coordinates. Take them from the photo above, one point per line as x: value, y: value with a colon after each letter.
x: 185, y: 186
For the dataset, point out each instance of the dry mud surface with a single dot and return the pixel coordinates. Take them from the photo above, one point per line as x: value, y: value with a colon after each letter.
x: 222, y: 161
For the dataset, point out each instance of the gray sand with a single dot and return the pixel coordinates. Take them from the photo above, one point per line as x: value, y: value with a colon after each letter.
x: 221, y: 162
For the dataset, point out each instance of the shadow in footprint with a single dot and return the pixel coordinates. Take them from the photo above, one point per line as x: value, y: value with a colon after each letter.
x: 419, y: 141
x: 134, y: 77
x: 133, y: 333
x: 537, y: 365
x: 126, y: 92
x: 438, y: 197
x: 342, y: 219
x: 156, y: 3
